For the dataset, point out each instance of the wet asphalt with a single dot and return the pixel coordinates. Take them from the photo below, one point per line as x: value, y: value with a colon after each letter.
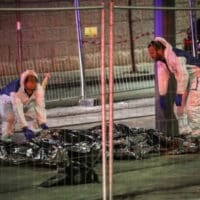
x: 156, y: 178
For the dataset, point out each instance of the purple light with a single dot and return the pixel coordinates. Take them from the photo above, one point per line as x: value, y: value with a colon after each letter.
x: 158, y: 24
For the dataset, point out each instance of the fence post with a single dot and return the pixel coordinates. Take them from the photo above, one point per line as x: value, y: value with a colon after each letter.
x: 111, y: 88
x: 103, y: 103
x: 19, y: 38
x: 132, y: 46
x: 80, y: 49
x: 193, y: 27
x: 164, y: 25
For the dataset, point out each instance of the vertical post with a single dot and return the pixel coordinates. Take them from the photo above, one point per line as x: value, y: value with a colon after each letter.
x: 169, y: 22
x: 164, y: 26
x: 80, y: 48
x: 158, y: 31
x: 19, y: 38
x: 131, y: 38
x: 111, y: 102
x: 103, y: 102
x: 192, y: 15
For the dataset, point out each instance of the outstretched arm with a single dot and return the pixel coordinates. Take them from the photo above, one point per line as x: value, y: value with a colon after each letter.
x: 45, y: 80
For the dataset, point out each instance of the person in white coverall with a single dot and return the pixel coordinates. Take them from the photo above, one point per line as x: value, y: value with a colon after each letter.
x: 185, y: 68
x: 22, y: 100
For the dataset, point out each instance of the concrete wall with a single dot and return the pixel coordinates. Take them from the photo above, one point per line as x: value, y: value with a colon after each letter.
x: 49, y: 39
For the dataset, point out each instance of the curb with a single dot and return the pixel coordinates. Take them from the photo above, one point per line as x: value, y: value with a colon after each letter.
x: 79, y: 110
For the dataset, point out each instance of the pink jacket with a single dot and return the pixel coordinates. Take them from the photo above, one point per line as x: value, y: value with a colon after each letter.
x: 176, y: 65
x: 21, y: 101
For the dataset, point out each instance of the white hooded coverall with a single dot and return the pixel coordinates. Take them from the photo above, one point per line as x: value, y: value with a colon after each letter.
x: 186, y: 73
x: 16, y: 105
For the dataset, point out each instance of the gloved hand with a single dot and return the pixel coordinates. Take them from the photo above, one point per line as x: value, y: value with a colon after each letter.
x: 178, y: 99
x: 28, y: 133
x: 44, y: 126
x: 163, y: 104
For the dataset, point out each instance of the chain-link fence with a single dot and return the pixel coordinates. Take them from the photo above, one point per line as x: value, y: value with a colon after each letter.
x: 47, y: 40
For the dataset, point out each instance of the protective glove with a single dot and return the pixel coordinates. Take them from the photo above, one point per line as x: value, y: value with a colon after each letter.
x: 28, y: 133
x: 178, y: 99
x: 44, y: 126
x: 163, y: 104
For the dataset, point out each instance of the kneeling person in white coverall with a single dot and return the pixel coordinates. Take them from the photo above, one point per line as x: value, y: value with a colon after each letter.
x: 22, y: 100
x: 186, y: 70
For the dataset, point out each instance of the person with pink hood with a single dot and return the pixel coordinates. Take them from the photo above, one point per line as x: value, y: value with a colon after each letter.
x: 22, y: 100
x: 186, y: 71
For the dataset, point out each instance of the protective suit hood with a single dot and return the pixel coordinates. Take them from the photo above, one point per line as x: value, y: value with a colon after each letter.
x: 164, y: 42
x: 24, y: 76
x: 169, y: 55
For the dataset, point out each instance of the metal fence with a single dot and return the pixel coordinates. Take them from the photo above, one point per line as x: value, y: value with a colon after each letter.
x: 49, y: 45
x: 136, y: 31
x: 50, y: 39
x: 55, y: 38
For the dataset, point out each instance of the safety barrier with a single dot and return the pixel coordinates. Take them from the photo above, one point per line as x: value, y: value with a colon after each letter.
x: 48, y: 45
x: 112, y: 61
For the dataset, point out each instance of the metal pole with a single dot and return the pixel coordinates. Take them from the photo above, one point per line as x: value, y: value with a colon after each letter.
x: 155, y: 8
x: 49, y: 9
x: 103, y: 102
x: 132, y: 46
x: 158, y: 31
x: 19, y: 39
x: 95, y: 7
x: 164, y: 27
x: 111, y: 104
x: 192, y: 28
x: 80, y: 49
